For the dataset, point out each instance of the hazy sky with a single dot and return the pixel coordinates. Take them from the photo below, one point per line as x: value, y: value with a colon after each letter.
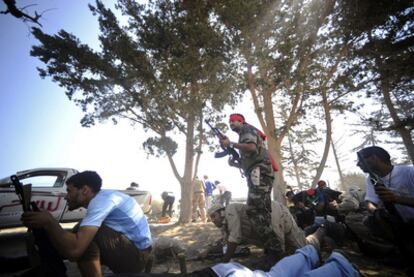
x: 40, y: 127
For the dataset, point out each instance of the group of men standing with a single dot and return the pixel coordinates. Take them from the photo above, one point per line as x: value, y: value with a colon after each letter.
x: 203, y: 196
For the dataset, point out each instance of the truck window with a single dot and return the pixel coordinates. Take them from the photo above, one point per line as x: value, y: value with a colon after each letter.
x: 43, y: 181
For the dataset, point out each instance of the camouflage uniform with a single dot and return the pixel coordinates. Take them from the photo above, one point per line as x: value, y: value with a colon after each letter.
x: 238, y: 229
x: 258, y: 170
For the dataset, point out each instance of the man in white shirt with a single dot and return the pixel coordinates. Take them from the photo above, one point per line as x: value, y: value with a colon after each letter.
x: 114, y: 231
x: 398, y: 182
x: 224, y: 194
x: 390, y: 199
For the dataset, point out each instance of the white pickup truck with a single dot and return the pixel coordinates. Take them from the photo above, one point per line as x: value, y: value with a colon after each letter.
x: 48, y: 191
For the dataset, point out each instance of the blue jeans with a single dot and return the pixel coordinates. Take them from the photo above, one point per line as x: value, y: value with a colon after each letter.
x: 305, y: 261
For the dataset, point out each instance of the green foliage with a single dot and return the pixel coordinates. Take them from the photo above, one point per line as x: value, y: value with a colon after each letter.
x: 383, y: 55
x: 354, y: 180
x: 163, y: 70
x: 300, y: 161
x: 159, y: 146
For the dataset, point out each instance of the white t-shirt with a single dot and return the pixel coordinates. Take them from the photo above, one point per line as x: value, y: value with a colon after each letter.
x: 221, y: 188
x: 399, y: 180
x: 121, y: 213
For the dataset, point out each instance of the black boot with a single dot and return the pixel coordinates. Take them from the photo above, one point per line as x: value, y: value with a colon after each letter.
x: 336, y: 231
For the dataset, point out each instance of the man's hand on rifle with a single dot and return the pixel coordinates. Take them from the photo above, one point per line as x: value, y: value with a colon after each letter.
x: 233, y: 162
x: 39, y: 219
x: 386, y: 195
x: 224, y: 142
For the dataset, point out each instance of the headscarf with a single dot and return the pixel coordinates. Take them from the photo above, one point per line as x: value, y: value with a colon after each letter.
x: 240, y: 118
x: 237, y: 117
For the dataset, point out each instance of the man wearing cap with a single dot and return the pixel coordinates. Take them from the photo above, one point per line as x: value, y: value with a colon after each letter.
x: 391, y: 200
x: 237, y: 228
x: 257, y: 167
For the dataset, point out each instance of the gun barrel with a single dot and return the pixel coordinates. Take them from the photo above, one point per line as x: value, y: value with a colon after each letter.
x: 227, y: 150
x: 214, y: 129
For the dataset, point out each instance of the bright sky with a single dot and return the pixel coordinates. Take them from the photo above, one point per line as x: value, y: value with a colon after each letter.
x: 40, y: 126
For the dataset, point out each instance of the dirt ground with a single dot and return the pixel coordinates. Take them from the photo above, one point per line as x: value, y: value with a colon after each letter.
x: 196, y: 237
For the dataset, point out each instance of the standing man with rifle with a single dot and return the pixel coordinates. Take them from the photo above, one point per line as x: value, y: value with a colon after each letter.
x: 390, y: 199
x: 256, y: 165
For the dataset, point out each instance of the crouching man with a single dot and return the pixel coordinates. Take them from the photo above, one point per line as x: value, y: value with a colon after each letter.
x: 237, y: 229
x: 114, y: 232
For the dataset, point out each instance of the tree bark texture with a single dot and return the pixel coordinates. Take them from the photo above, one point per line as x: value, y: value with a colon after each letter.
x: 294, y: 163
x: 338, y: 166
x: 402, y: 130
x: 328, y: 138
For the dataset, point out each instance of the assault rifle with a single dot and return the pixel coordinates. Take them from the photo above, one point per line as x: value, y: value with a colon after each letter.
x: 234, y: 156
x: 44, y: 258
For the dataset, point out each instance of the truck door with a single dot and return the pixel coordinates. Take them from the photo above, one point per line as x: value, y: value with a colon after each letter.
x: 47, y: 191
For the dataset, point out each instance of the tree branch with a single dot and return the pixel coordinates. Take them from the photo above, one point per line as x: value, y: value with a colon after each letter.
x: 19, y: 13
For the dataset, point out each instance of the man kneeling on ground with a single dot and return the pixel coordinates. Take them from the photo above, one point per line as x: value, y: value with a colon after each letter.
x: 114, y: 231
x: 237, y: 229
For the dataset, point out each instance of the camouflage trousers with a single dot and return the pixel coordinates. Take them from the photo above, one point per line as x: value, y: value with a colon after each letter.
x: 259, y: 207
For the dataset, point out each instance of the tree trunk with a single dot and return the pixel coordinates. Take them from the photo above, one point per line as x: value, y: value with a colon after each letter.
x: 186, y: 181
x: 328, y: 138
x: 402, y: 130
x: 294, y: 162
x: 338, y: 166
x: 279, y: 185
x: 186, y: 201
x: 268, y: 125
